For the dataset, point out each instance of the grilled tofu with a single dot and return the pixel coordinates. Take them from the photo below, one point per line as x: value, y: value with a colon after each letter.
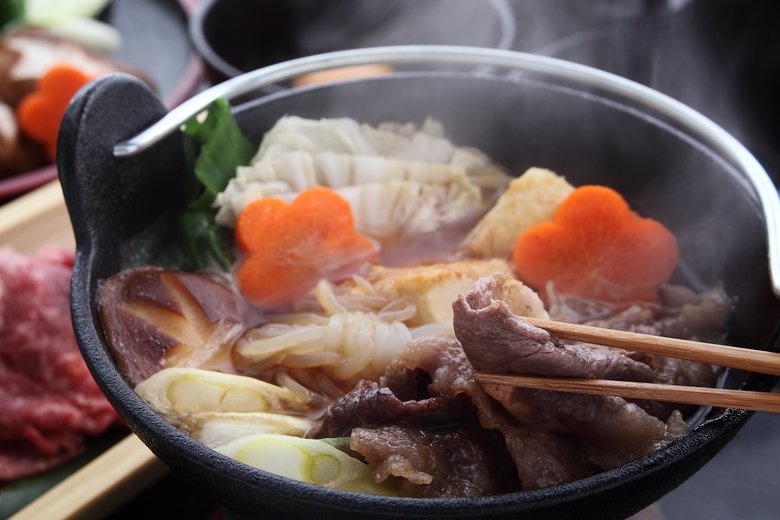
x: 531, y: 198
x: 433, y: 287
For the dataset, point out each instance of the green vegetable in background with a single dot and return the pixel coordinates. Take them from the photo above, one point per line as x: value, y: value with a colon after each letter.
x: 11, y: 12
x: 47, y: 13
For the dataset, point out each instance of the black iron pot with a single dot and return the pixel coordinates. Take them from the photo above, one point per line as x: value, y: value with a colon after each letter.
x: 236, y: 36
x: 670, y: 163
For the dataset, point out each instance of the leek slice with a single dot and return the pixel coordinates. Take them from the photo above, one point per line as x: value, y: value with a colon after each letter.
x: 307, y: 460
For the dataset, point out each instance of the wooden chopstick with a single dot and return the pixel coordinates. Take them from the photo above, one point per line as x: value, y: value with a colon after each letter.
x: 727, y: 356
x: 746, y: 400
x: 735, y: 357
x: 101, y: 486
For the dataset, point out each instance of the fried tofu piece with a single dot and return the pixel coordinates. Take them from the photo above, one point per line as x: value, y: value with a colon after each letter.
x: 531, y: 198
x: 433, y: 287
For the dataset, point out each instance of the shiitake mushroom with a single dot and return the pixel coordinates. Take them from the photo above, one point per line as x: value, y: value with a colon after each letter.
x: 155, y: 318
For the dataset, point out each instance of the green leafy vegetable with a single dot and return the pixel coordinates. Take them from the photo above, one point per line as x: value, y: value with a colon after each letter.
x: 218, y: 147
x: 11, y: 12
x: 222, y: 148
x: 214, y: 147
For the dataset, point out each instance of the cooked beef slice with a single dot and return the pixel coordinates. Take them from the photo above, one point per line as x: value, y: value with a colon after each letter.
x: 541, y: 458
x: 442, y: 359
x: 368, y: 404
x: 614, y: 430
x: 496, y: 340
x: 461, y: 462
x: 437, y: 384
x: 685, y: 315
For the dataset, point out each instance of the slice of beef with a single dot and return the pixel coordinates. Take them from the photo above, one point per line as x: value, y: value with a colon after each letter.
x: 49, y: 402
x: 459, y: 462
x: 368, y: 404
x: 437, y: 384
x: 685, y: 315
x: 496, y: 340
x: 611, y: 430
x: 541, y: 458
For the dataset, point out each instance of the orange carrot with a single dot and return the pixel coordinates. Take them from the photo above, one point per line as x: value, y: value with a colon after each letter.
x: 290, y: 247
x: 40, y: 112
x: 596, y: 247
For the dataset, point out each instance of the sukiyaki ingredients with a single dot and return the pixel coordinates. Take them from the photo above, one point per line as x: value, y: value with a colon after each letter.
x: 683, y: 314
x: 531, y: 198
x: 17, y: 154
x: 357, y: 370
x: 467, y: 461
x: 156, y: 318
x: 598, y: 248
x: 431, y: 384
x: 73, y: 20
x: 218, y: 428
x: 41, y: 111
x: 291, y: 247
x: 343, y: 349
x: 306, y: 460
x: 369, y: 405
x: 49, y: 403
x: 400, y: 181
x: 214, y: 146
x: 497, y: 340
x: 432, y: 288
x: 26, y: 55
x: 177, y: 393
x: 613, y: 431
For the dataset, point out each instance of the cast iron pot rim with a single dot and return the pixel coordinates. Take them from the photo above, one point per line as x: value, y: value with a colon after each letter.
x: 501, y: 8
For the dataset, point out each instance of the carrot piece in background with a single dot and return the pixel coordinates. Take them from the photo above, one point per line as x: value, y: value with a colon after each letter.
x: 290, y: 247
x: 40, y: 112
x: 596, y: 247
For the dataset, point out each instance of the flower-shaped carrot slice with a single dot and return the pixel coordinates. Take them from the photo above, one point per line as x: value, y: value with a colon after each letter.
x: 290, y: 247
x: 596, y: 247
x: 40, y: 112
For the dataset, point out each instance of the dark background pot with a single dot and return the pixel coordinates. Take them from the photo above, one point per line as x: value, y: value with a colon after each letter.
x: 663, y: 172
x: 236, y: 36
